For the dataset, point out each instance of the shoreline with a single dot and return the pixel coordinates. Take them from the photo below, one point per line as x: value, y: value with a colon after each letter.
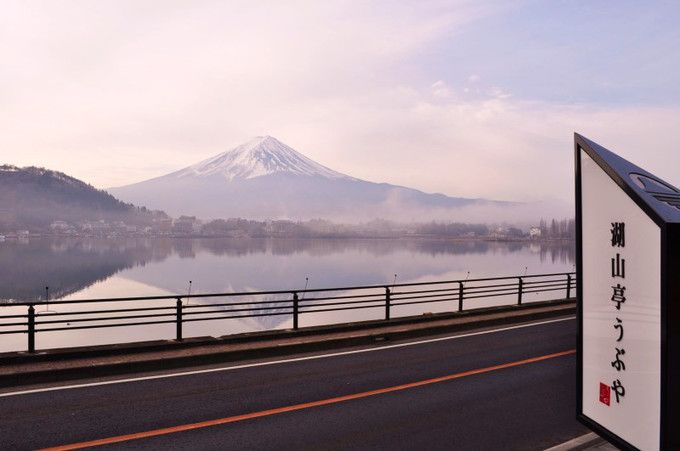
x: 14, y: 238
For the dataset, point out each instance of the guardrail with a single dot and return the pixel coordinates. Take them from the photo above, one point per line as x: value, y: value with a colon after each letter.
x: 460, y: 293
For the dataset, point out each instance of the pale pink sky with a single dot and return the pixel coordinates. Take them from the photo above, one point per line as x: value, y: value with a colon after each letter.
x: 468, y: 98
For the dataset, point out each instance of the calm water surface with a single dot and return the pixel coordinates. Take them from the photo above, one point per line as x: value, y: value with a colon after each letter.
x: 91, y: 268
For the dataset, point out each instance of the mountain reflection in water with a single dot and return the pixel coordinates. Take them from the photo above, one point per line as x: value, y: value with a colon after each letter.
x: 97, y: 268
x: 68, y: 266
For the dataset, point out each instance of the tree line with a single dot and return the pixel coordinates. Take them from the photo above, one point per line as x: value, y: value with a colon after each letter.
x: 562, y: 229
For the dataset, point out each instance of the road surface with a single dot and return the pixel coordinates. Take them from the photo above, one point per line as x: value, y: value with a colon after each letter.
x: 502, y: 388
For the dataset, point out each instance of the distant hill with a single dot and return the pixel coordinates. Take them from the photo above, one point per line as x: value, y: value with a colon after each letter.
x: 266, y: 179
x: 34, y: 197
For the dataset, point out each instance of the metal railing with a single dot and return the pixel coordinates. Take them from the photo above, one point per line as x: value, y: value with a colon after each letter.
x: 295, y: 303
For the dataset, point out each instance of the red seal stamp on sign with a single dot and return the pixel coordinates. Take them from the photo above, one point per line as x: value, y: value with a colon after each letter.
x: 605, y: 394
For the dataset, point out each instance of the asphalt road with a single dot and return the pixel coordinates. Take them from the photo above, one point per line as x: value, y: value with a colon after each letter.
x: 465, y: 396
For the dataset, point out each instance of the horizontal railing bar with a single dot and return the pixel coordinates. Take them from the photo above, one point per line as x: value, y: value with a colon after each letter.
x: 13, y: 316
x: 105, y: 326
x: 238, y: 316
x: 429, y: 296
x: 397, y: 304
x: 105, y: 318
x: 502, y: 290
x: 499, y: 285
x: 541, y: 291
x: 337, y: 309
x: 548, y: 282
x: 9, y: 332
x: 331, y: 298
x: 456, y: 287
x: 474, y: 289
x: 466, y: 297
x: 312, y: 290
x: 165, y: 298
x: 455, y: 298
x: 362, y: 301
x: 209, y: 312
x: 277, y: 301
x: 122, y: 310
x: 545, y: 287
x: 466, y: 293
x: 555, y: 274
x: 441, y: 290
x: 533, y: 282
x: 307, y: 308
x: 205, y: 312
x: 13, y: 324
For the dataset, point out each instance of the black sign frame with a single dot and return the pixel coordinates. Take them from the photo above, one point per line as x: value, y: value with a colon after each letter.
x: 664, y: 210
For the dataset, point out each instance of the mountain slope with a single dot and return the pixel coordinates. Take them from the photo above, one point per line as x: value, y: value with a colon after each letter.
x: 264, y: 179
x: 263, y: 155
x: 34, y: 197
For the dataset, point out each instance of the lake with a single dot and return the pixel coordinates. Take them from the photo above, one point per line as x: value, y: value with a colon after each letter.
x: 102, y: 268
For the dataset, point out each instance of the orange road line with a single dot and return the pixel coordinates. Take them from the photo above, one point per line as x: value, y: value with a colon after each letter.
x: 307, y: 405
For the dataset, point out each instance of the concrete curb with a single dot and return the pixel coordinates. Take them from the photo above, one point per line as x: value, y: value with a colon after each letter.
x: 579, y: 443
x: 258, y: 345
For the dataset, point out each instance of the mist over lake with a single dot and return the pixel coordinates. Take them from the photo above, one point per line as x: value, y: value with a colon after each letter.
x: 89, y: 268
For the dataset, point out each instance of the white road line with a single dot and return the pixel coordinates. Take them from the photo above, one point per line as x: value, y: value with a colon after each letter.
x: 277, y: 362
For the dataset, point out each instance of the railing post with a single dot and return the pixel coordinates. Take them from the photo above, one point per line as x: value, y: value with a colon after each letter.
x: 568, y: 286
x: 31, y: 328
x: 296, y: 310
x: 387, y: 302
x: 461, y: 287
x: 179, y: 319
x: 520, y: 289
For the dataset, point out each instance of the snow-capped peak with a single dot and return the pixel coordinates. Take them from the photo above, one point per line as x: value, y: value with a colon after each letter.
x: 260, y: 156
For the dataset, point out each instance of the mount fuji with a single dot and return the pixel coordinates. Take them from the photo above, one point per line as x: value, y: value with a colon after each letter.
x: 266, y: 179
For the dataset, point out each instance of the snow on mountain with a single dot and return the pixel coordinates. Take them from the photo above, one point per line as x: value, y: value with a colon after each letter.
x: 260, y: 156
x: 266, y: 179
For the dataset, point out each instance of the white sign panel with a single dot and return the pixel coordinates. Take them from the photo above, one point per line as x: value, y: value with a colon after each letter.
x: 621, y: 311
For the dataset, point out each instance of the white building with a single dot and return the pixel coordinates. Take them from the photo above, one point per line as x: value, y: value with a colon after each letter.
x: 535, y: 232
x: 59, y: 225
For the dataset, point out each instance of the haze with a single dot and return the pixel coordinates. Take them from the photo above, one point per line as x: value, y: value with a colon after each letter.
x: 473, y: 99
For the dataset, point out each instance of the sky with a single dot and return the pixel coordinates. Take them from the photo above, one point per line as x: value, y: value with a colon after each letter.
x: 467, y: 98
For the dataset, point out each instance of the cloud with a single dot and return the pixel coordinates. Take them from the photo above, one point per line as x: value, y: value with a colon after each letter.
x: 93, y: 86
x: 441, y: 90
x: 115, y: 92
x: 495, y: 147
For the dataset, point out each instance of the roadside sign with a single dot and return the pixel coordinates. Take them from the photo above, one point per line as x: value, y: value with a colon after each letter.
x: 628, y: 270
